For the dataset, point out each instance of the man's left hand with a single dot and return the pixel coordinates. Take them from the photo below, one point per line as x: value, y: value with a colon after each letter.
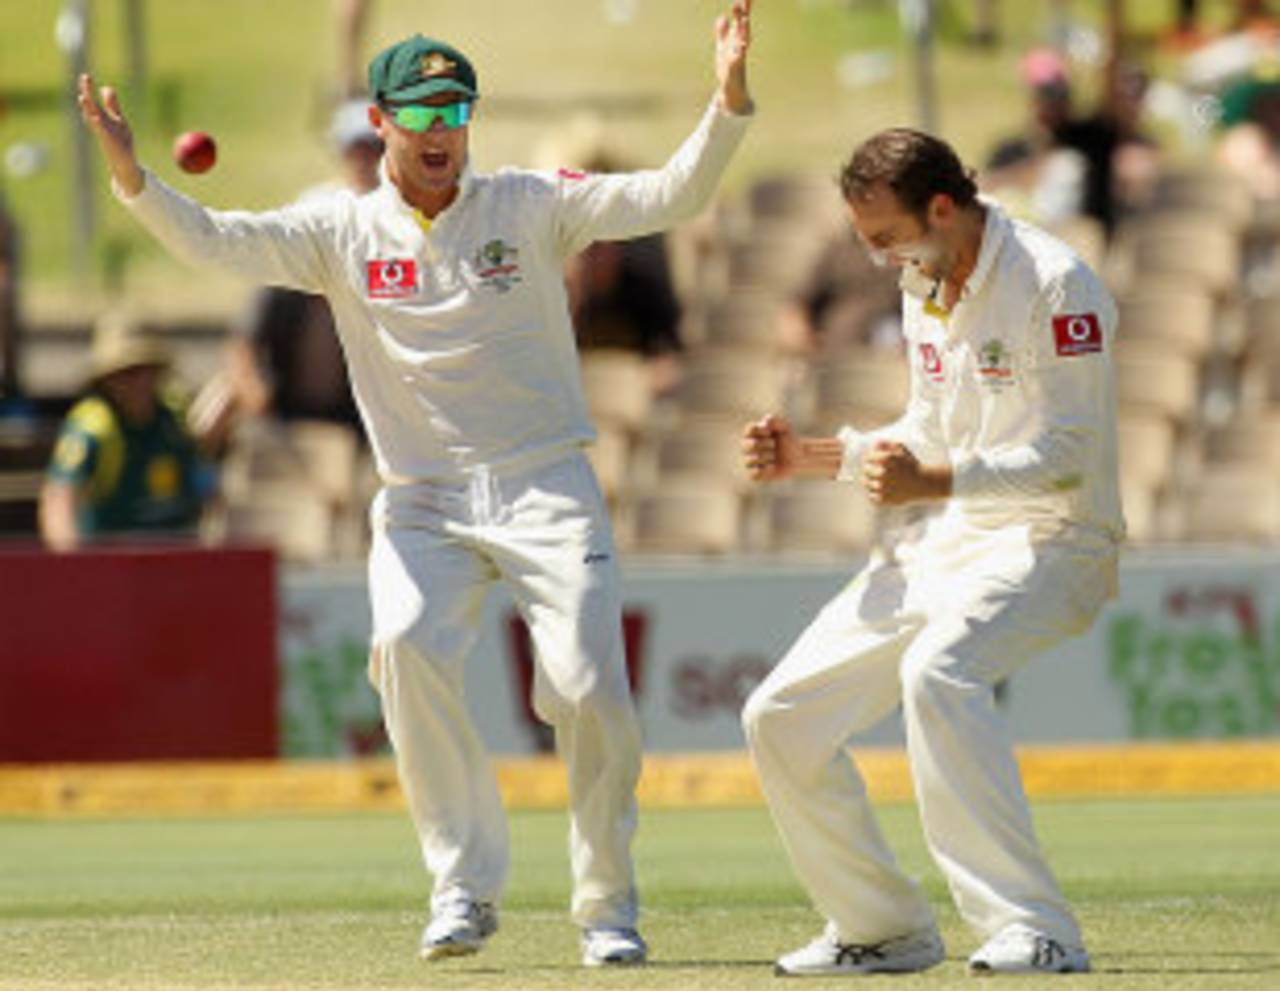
x: 733, y: 39
x: 893, y: 476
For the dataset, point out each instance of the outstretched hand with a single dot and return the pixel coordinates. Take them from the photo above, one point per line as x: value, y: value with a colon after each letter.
x: 107, y: 122
x: 733, y: 39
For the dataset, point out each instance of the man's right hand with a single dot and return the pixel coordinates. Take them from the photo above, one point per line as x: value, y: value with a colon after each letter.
x: 770, y: 449
x: 115, y: 137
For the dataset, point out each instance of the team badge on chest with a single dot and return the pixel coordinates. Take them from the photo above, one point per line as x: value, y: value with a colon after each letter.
x: 497, y: 265
x: 995, y: 364
x: 392, y: 278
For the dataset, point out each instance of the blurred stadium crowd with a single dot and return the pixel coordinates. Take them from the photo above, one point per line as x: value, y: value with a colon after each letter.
x: 766, y: 303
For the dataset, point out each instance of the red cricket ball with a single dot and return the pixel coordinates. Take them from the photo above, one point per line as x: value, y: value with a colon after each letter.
x: 195, y: 152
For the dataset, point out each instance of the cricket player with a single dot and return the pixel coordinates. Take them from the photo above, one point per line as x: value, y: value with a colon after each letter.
x: 1011, y: 422
x: 448, y: 294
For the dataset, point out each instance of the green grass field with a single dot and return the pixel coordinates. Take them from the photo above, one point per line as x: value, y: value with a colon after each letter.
x: 1174, y: 894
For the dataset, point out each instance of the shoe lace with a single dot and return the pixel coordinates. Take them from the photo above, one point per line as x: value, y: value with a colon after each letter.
x: 858, y: 953
x: 1046, y: 952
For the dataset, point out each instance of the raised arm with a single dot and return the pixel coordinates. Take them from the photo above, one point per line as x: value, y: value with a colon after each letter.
x: 278, y: 247
x: 615, y: 207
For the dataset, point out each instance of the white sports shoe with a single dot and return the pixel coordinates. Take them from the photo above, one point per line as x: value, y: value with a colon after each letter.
x: 829, y: 955
x: 1019, y: 949
x: 458, y: 929
x: 619, y: 947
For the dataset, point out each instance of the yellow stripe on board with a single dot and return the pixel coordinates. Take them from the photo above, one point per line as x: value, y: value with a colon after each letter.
x: 539, y: 782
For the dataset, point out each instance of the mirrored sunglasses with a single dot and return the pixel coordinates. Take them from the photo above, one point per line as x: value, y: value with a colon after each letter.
x: 418, y: 117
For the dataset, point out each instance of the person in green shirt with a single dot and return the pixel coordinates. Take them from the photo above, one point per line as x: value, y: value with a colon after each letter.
x: 125, y: 463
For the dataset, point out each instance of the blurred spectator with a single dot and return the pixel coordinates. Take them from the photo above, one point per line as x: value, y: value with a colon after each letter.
x: 1250, y: 122
x: 125, y: 461
x: 621, y: 297
x: 1187, y: 32
x: 9, y: 327
x: 1116, y: 160
x: 621, y: 293
x: 845, y: 300
x: 285, y: 360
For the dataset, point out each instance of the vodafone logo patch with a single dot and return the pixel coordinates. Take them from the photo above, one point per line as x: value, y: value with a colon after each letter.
x: 931, y: 362
x: 392, y: 278
x: 1077, y: 333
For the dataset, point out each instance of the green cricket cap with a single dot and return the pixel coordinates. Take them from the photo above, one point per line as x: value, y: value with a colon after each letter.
x: 419, y: 67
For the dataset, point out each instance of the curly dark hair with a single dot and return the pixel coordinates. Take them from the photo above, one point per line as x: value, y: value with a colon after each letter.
x: 915, y: 165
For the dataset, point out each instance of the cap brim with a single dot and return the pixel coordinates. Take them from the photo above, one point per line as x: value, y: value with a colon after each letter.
x: 430, y: 87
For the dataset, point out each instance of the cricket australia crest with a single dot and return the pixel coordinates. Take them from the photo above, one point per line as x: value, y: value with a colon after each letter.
x: 995, y: 364
x: 497, y: 265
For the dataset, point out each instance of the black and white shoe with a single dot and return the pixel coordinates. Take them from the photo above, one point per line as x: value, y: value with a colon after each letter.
x: 1019, y: 949
x: 829, y: 955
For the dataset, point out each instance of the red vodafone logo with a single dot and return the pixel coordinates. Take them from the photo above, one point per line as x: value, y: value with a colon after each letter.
x: 1077, y: 333
x: 392, y: 278
x: 931, y: 362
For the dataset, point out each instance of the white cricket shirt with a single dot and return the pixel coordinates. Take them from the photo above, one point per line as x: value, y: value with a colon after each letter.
x: 456, y: 331
x: 1015, y: 389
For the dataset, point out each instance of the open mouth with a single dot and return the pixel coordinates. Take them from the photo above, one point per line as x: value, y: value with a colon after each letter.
x: 435, y: 160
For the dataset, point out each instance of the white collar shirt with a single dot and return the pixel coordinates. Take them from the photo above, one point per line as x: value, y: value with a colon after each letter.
x: 1014, y: 388
x: 456, y: 331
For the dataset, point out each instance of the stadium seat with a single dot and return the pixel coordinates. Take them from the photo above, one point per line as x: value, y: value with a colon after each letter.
x: 328, y: 453
x: 774, y: 257
x: 1195, y: 248
x: 747, y: 319
x: 1150, y: 376
x: 866, y: 385
x: 616, y: 384
x: 1248, y: 439
x: 689, y: 518
x: 731, y: 383
x: 801, y: 200
x: 821, y: 517
x: 1175, y: 314
x: 1139, y: 501
x: 318, y: 457
x: 609, y: 457
x: 1233, y: 503
x: 698, y: 448
x: 1146, y: 443
x: 1217, y: 192
x: 296, y: 521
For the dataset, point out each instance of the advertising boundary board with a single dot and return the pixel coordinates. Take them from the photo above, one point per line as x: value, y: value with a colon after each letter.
x: 1190, y: 650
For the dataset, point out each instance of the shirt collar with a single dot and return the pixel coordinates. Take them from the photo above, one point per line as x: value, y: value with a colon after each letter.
x: 466, y: 185
x: 993, y: 235
x: 994, y: 230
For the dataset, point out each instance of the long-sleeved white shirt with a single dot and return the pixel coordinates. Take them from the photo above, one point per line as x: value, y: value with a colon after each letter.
x: 456, y: 331
x: 1014, y: 388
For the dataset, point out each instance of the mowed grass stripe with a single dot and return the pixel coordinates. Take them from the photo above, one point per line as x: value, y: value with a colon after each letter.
x: 1174, y: 893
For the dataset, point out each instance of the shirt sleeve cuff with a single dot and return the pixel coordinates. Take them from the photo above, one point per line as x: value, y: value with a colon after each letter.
x: 853, y: 441
x: 971, y: 477
x: 124, y: 197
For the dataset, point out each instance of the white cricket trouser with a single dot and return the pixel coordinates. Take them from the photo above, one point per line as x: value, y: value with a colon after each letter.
x: 436, y: 550
x: 935, y: 633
